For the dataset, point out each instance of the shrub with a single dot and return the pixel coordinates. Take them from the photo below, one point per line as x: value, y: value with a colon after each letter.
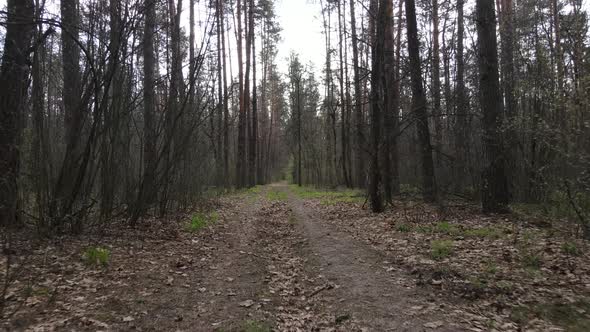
x: 447, y: 228
x: 97, y: 256
x: 403, y: 228
x: 255, y: 326
x: 532, y: 261
x: 441, y: 249
x: 570, y: 248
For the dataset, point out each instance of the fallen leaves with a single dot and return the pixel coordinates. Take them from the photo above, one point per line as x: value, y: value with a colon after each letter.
x: 496, y: 263
x: 246, y: 304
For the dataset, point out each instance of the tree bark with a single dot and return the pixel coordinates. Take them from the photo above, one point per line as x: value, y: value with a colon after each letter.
x: 376, y: 106
x: 495, y: 195
x: 241, y: 151
x: 419, y: 104
x: 390, y: 116
x: 14, y: 73
x: 359, y: 179
x: 436, y: 96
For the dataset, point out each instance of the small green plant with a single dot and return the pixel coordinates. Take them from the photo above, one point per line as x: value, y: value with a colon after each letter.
x: 256, y: 326
x: 200, y: 220
x: 441, y: 249
x: 478, y: 282
x: 571, y: 249
x: 447, y: 228
x: 505, y: 286
x: 532, y: 261
x: 97, y: 256
x: 570, y: 316
x: 403, y: 228
x: 424, y: 229
x: 491, y: 268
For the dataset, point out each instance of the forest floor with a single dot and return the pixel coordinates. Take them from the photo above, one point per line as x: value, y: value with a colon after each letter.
x: 284, y: 258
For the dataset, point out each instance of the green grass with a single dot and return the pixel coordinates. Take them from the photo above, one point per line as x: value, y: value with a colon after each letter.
x: 571, y: 249
x: 441, y: 249
x: 532, y: 261
x: 256, y: 326
x: 556, y: 206
x: 201, y: 220
x: 491, y: 268
x: 96, y: 256
x: 275, y: 195
x: 403, y: 228
x: 572, y: 317
x: 255, y: 190
x: 329, y: 197
x: 445, y: 227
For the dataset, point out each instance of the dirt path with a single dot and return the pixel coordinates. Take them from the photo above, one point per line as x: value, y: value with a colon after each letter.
x: 268, y: 263
x: 366, y: 289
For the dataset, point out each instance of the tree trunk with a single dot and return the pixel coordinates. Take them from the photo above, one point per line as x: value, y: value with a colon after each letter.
x: 241, y: 157
x: 461, y: 112
x: 14, y: 73
x: 437, y: 113
x: 359, y: 180
x: 64, y: 191
x: 147, y: 190
x: 376, y: 106
x: 226, y: 181
x: 342, y: 99
x: 390, y: 112
x: 495, y: 189
x: 419, y: 104
x: 253, y: 139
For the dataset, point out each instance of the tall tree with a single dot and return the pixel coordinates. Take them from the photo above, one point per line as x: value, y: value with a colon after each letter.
x: 242, y: 116
x: 225, y: 96
x: 495, y: 196
x: 65, y: 190
x: 14, y: 72
x: 436, y: 97
x: 460, y: 128
x: 359, y: 178
x: 419, y: 103
x: 147, y: 190
x: 343, y: 133
x: 377, y: 104
x: 253, y: 139
x: 391, y: 113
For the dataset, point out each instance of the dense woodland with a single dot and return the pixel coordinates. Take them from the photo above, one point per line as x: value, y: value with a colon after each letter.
x: 114, y: 109
x: 164, y: 165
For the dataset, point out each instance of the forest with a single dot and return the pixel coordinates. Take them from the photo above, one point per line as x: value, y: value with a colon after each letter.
x: 164, y: 166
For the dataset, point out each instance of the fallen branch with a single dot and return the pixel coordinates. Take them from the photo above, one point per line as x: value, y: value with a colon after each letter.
x: 321, y: 289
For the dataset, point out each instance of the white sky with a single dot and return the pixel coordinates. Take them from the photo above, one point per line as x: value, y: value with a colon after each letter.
x: 301, y: 24
x: 302, y: 31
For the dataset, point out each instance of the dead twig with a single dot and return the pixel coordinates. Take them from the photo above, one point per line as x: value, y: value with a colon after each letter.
x: 321, y: 289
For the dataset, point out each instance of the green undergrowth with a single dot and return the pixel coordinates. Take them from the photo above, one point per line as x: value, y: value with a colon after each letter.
x: 96, y: 256
x: 200, y: 220
x: 557, y: 206
x: 276, y: 195
x: 329, y: 197
x: 570, y: 316
x: 256, y: 326
x: 447, y: 228
x: 441, y: 249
